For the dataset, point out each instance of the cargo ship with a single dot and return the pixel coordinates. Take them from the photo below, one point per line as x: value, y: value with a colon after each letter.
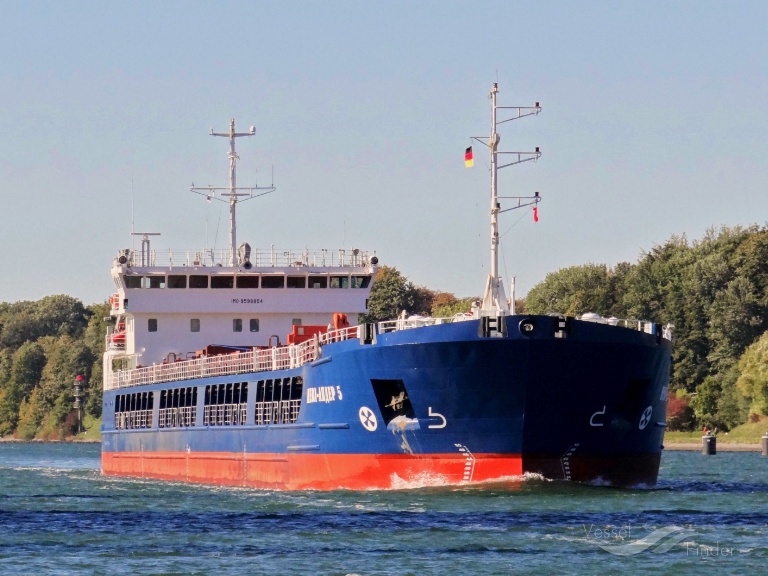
x: 250, y: 367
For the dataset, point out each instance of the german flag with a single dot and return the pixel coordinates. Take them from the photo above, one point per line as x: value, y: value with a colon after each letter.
x: 468, y: 159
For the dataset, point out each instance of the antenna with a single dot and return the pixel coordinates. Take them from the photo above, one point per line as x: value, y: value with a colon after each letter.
x: 494, y: 298
x: 230, y: 193
x: 133, y: 213
x: 146, y: 254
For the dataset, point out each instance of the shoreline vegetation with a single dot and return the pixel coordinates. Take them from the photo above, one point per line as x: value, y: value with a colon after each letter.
x: 714, y: 291
x: 744, y: 438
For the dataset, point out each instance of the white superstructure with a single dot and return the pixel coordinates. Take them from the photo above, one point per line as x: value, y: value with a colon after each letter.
x: 170, y: 305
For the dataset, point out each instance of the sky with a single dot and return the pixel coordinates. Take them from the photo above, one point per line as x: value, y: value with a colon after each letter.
x: 654, y: 123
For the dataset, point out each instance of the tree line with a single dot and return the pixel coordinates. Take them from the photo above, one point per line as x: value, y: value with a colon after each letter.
x: 714, y: 291
x: 44, y: 345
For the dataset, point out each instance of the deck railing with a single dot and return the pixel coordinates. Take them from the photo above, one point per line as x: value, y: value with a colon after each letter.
x: 259, y: 258
x: 293, y: 355
x: 177, y: 417
x: 133, y: 419
x: 224, y: 415
x: 257, y: 360
x: 277, y: 412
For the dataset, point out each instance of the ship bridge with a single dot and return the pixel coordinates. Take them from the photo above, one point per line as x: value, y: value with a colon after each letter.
x: 180, y: 301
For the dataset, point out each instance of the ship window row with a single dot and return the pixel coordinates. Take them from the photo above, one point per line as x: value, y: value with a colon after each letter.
x: 225, y: 404
x: 183, y: 281
x: 133, y: 410
x: 278, y: 401
x: 178, y: 407
x: 237, y: 324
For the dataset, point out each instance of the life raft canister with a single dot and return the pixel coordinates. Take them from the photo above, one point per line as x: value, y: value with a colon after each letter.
x: 340, y: 321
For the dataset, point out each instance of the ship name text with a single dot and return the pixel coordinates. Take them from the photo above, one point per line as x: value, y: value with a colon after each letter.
x: 324, y: 394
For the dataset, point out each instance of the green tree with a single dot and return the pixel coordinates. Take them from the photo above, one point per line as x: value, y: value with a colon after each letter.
x: 66, y: 358
x: 573, y: 291
x: 753, y: 378
x: 26, y: 369
x: 419, y: 299
x: 735, y: 321
x: 457, y: 307
x: 94, y: 339
x: 389, y: 295
x: 51, y: 316
x: 31, y: 414
x: 18, y: 324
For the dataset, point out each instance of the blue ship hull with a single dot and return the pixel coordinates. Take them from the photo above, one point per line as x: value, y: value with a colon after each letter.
x: 565, y: 399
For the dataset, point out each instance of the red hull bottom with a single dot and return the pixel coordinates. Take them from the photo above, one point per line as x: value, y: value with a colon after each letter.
x: 314, y: 471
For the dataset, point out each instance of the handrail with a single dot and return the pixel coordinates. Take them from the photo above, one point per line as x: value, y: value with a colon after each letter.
x: 259, y: 258
x: 256, y: 360
x: 283, y: 357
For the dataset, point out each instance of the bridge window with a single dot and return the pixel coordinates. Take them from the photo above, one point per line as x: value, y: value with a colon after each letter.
x: 237, y: 325
x: 254, y: 325
x: 177, y: 281
x: 248, y: 281
x: 198, y: 281
x: 318, y: 282
x: 222, y: 281
x: 339, y: 281
x: 194, y: 325
x: 272, y: 281
x: 152, y: 325
x: 154, y: 281
x: 297, y: 281
x: 361, y: 281
x: 132, y: 281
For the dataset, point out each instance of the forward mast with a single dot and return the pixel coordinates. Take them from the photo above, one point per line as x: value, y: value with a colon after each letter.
x: 495, y: 301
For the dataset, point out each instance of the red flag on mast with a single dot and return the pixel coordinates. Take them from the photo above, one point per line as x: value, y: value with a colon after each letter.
x: 535, y: 213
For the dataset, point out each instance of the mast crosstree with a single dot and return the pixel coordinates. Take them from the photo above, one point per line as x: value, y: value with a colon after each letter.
x: 232, y: 193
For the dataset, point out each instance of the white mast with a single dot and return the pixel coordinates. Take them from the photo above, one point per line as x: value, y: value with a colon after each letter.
x: 231, y: 192
x: 494, y: 298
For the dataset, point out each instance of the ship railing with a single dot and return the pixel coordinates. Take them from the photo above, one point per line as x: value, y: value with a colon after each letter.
x: 420, y: 321
x: 348, y: 333
x: 256, y: 360
x: 113, y: 344
x: 268, y: 257
x: 133, y: 419
x: 640, y: 325
x: 277, y: 412
x: 177, y: 417
x: 224, y: 414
